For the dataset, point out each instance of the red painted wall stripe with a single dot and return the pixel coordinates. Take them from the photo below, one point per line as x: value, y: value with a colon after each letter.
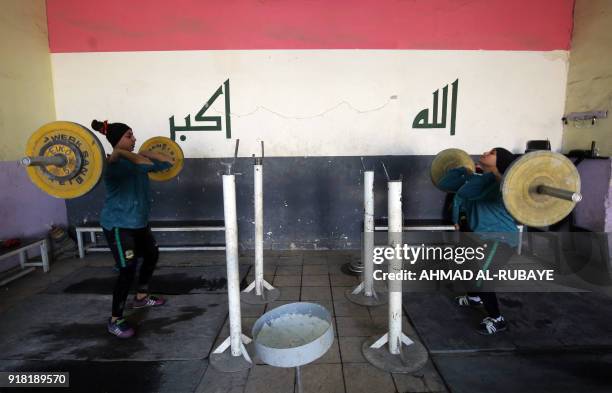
x: 152, y: 25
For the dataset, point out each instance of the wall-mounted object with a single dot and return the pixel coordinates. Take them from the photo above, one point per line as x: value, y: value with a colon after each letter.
x: 579, y: 117
x: 582, y: 154
x: 537, y: 145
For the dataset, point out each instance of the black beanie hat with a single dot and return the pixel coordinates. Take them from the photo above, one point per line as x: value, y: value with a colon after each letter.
x: 113, y: 131
x: 504, y: 159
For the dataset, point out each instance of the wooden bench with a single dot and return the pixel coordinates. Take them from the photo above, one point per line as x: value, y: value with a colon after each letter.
x: 26, y: 264
x: 156, y: 226
x: 416, y: 225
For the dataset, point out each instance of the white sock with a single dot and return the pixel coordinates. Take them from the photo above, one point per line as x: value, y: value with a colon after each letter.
x: 474, y: 298
x: 499, y: 319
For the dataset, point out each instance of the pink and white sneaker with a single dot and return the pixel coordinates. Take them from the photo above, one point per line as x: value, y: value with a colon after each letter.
x: 120, y: 328
x: 148, y: 301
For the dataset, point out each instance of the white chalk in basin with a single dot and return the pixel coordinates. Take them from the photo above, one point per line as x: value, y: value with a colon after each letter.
x: 291, y: 330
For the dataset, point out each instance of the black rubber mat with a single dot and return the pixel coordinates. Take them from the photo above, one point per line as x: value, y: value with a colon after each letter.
x: 535, y: 321
x: 73, y: 327
x: 99, y: 377
x: 166, y: 280
x: 567, y: 372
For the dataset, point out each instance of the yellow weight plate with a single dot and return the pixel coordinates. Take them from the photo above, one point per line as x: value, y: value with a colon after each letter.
x: 166, y: 146
x: 522, y: 179
x: 449, y: 159
x: 73, y: 141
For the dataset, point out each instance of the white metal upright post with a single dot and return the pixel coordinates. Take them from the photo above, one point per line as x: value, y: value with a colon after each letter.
x: 365, y: 293
x: 259, y: 291
x: 395, y: 266
x: 238, y: 358
x: 403, y: 354
x: 259, y: 272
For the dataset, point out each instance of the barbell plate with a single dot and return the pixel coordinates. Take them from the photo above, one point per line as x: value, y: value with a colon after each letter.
x: 521, y: 180
x: 449, y: 159
x: 48, y: 179
x: 168, y: 147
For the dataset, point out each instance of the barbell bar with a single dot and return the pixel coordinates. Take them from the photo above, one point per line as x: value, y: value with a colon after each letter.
x: 56, y: 160
x: 559, y: 193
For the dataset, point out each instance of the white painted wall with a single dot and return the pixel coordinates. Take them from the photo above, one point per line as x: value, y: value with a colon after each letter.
x: 320, y: 102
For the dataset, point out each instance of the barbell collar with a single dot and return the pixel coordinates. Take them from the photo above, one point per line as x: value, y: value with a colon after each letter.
x: 56, y: 160
x: 559, y: 193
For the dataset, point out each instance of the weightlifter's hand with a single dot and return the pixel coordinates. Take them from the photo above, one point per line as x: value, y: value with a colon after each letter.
x: 156, y: 156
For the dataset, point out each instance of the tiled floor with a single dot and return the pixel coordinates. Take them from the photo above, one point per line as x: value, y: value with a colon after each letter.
x: 579, y: 362
x: 300, y: 276
x: 317, y: 278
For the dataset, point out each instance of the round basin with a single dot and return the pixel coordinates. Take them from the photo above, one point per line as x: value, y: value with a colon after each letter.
x: 293, y: 335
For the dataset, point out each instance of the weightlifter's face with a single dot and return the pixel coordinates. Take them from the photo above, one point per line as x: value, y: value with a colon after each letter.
x: 127, y: 142
x: 488, y: 159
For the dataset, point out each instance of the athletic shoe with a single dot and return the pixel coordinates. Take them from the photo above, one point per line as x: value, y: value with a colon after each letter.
x: 120, y: 328
x: 465, y: 301
x: 148, y: 301
x: 490, y: 326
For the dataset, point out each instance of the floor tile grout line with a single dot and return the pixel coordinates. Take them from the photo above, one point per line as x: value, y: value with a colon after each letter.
x: 300, y: 297
x: 331, y: 290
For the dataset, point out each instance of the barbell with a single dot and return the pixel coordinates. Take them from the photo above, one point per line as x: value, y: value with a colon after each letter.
x: 67, y: 160
x: 538, y: 189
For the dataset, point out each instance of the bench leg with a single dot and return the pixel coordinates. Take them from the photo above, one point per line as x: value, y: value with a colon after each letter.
x: 92, y: 237
x: 44, y: 255
x: 23, y: 257
x: 79, y: 235
x: 529, y: 247
x: 519, y: 250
